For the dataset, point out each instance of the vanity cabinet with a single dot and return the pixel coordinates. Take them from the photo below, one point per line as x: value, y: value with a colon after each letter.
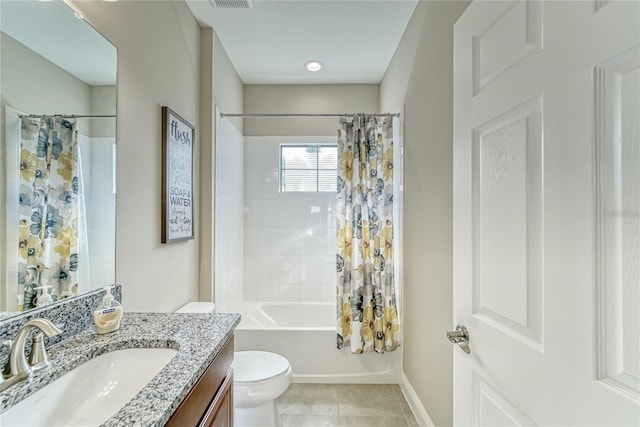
x: 210, y: 401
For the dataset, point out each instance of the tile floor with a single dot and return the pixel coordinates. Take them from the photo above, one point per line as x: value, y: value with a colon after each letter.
x: 344, y: 405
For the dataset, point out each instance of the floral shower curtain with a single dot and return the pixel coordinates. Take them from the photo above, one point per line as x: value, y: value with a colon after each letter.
x: 366, y: 300
x: 48, y: 215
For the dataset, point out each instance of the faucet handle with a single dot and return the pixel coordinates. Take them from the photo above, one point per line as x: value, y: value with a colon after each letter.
x: 38, y: 357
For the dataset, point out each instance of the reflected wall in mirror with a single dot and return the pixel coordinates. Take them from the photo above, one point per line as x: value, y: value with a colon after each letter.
x: 57, y: 155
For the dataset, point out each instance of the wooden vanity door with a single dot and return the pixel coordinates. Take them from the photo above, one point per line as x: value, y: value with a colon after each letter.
x: 210, y: 401
x: 220, y: 412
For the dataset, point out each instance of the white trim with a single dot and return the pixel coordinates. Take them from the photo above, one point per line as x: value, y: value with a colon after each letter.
x: 418, y: 409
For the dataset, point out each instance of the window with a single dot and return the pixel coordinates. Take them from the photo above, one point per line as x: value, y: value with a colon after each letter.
x: 308, y: 167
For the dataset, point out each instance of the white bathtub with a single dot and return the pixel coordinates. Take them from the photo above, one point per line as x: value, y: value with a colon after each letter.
x: 305, y: 333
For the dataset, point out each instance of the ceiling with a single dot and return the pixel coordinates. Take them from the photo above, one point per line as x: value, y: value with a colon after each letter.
x: 271, y: 42
x: 51, y: 30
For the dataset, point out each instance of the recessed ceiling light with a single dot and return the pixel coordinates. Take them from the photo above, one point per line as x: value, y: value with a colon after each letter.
x: 313, y: 65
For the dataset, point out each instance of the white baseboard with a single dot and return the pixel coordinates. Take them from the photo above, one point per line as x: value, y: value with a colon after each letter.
x: 414, y: 402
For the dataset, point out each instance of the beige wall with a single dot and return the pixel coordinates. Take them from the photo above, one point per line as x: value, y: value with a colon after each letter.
x: 228, y: 88
x: 425, y: 85
x: 103, y: 102
x: 207, y: 163
x: 158, y: 64
x: 34, y: 85
x: 346, y: 98
x: 221, y: 86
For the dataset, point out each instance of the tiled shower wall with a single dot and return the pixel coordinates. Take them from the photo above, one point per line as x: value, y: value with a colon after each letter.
x: 98, y: 167
x: 289, y: 238
x: 229, y: 222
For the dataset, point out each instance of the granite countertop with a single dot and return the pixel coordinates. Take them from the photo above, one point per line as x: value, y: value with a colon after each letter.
x: 197, y: 337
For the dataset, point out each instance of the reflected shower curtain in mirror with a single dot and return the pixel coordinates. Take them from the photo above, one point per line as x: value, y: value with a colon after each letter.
x: 48, y: 215
x: 366, y: 300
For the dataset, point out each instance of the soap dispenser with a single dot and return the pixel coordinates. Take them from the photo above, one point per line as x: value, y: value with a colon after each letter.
x: 108, y: 314
x: 45, y: 297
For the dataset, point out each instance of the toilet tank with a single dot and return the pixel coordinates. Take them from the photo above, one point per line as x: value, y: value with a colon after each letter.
x: 197, y: 307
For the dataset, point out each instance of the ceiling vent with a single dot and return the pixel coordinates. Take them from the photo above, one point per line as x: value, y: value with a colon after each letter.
x: 232, y: 4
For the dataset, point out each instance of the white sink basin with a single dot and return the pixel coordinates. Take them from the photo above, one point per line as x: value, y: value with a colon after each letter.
x: 91, y: 393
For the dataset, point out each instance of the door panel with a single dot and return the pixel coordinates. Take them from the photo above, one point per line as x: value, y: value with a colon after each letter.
x: 514, y: 33
x: 546, y: 236
x: 617, y: 104
x: 493, y: 409
x: 507, y: 220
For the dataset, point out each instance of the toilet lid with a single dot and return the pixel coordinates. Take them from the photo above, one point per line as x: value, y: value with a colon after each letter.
x: 253, y: 366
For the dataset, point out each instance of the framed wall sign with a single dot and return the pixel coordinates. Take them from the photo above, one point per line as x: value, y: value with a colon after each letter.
x: 178, y: 137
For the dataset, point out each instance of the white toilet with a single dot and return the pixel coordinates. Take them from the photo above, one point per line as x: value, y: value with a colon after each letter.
x: 259, y: 378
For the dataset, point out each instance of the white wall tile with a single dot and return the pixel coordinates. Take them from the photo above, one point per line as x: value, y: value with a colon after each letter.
x: 221, y: 244
x: 268, y: 242
x: 236, y: 244
x: 327, y: 268
x: 330, y: 242
x: 268, y: 183
x: 222, y: 212
x: 317, y: 269
x: 250, y: 241
x: 269, y: 269
x: 290, y: 212
x: 110, y: 264
x: 306, y: 269
x: 252, y: 273
x: 236, y: 164
x: 109, y: 207
x: 268, y: 293
x: 291, y: 241
x: 268, y: 213
x: 250, y: 292
x: 289, y: 238
x: 98, y: 275
x: 289, y: 270
x: 251, y: 213
x: 268, y: 153
x: 11, y: 304
x: 312, y: 213
x: 311, y: 293
x: 315, y: 241
x: 105, y: 241
x: 237, y: 218
x: 328, y: 292
x: 289, y: 293
x: 251, y: 155
x: 250, y: 184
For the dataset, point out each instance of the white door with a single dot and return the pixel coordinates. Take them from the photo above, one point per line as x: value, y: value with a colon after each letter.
x: 547, y: 213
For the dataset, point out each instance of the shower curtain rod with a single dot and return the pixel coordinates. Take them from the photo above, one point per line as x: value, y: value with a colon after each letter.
x: 70, y: 116
x: 247, y: 115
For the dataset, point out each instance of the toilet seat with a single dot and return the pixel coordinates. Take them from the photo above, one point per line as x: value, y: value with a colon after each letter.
x: 252, y: 367
x: 259, y: 378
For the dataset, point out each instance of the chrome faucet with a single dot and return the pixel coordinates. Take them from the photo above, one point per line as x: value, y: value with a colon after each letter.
x: 19, y: 368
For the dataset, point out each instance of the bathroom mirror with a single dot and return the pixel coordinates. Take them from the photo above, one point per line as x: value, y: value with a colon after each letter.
x: 57, y: 155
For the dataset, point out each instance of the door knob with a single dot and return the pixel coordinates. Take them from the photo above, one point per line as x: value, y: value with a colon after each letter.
x: 460, y: 337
